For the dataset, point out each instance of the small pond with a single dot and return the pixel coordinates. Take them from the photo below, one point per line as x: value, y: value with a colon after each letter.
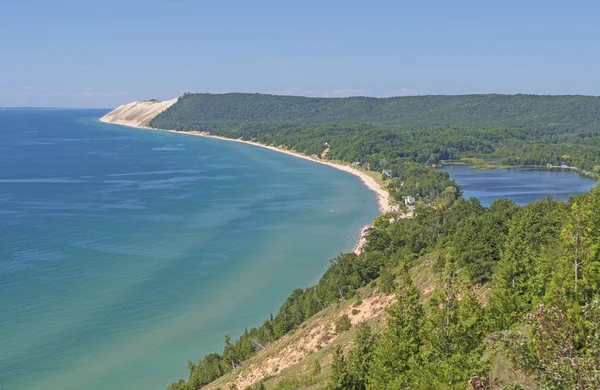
x: 521, y: 185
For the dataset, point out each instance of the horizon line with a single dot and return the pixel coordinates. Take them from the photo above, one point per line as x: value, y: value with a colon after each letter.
x: 300, y: 96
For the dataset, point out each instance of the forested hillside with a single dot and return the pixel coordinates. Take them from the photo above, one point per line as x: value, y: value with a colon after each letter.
x: 541, y: 263
x: 516, y: 302
x: 519, y: 129
x: 573, y: 113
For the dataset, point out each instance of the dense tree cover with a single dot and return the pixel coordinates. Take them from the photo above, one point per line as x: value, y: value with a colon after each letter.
x: 542, y: 261
x: 410, y: 112
x: 432, y: 346
x: 421, y: 182
x: 521, y: 129
x: 545, y: 273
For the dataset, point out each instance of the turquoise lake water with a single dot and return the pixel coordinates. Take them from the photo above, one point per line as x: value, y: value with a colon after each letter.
x: 520, y: 185
x: 124, y: 253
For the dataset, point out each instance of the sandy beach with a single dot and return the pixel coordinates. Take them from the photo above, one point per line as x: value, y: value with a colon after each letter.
x: 383, y: 198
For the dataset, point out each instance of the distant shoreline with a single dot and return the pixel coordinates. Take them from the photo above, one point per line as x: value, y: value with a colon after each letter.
x: 383, y: 198
x: 481, y: 164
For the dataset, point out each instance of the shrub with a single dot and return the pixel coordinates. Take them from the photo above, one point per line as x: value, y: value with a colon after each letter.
x: 343, y: 324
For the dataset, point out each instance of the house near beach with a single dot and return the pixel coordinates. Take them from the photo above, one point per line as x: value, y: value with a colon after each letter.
x: 388, y: 173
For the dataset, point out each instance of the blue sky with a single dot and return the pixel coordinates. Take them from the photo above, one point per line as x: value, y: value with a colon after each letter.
x: 104, y: 53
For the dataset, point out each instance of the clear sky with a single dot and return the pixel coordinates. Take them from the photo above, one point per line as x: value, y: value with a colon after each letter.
x: 80, y: 53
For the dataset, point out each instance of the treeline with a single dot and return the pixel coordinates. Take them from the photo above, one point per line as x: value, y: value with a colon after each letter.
x: 522, y: 129
x: 581, y: 156
x: 529, y: 112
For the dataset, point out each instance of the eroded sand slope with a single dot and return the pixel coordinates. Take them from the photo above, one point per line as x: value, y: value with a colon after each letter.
x: 138, y: 113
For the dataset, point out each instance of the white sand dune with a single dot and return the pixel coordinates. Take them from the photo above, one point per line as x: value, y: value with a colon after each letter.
x: 137, y: 114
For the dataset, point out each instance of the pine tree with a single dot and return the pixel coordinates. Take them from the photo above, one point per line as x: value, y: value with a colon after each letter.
x: 527, y: 263
x: 578, y: 276
x: 564, y: 350
x: 453, y: 332
x: 398, y: 348
x: 359, y: 361
x: 338, y: 374
x: 386, y: 280
x: 509, y: 300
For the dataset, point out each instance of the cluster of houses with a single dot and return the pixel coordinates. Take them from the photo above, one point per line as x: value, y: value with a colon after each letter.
x: 561, y: 165
x: 408, y: 200
x: 357, y: 164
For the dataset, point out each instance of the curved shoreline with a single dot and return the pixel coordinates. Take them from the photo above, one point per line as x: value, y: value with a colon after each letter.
x: 383, y: 197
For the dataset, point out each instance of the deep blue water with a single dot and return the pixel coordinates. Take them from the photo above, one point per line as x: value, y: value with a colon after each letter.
x: 124, y: 252
x: 520, y: 185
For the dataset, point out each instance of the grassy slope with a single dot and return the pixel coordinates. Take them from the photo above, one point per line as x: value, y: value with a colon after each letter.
x: 293, y: 355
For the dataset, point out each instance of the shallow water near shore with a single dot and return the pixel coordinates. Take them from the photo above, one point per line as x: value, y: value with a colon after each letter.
x: 520, y: 185
x: 124, y: 253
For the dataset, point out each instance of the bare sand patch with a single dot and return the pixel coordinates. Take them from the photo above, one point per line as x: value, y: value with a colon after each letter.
x: 137, y: 114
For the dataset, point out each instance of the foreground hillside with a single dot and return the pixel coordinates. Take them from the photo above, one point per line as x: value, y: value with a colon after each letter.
x: 485, y: 298
x: 302, y: 359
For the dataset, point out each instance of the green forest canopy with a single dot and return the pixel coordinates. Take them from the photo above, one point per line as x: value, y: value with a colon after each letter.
x: 520, y: 129
x: 571, y: 113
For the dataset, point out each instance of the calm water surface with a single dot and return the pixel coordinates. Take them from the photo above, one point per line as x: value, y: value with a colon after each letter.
x: 520, y: 185
x: 124, y: 253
